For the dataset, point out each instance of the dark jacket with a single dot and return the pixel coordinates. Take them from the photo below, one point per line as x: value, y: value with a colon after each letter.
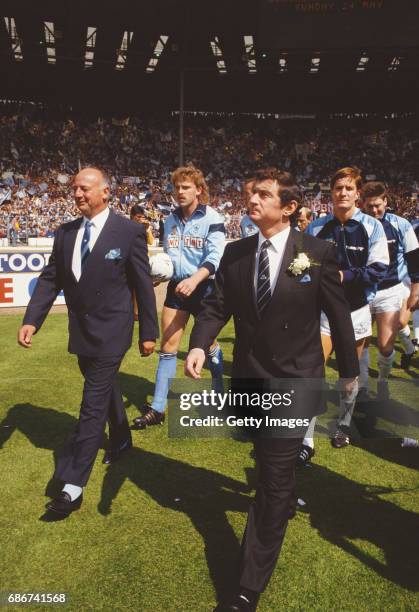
x: 99, y: 305
x: 285, y: 341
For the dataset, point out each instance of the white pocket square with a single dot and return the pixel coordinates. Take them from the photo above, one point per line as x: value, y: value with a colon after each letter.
x: 113, y: 254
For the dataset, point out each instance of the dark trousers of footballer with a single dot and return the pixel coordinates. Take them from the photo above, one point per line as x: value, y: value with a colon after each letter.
x: 101, y: 402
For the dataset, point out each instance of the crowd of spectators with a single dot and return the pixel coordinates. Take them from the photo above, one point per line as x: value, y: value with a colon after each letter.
x: 40, y: 151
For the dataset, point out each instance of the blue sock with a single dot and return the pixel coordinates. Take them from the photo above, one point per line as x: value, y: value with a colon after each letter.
x: 165, y: 371
x: 215, y: 364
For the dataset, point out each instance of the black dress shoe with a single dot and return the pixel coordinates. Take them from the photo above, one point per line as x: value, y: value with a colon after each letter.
x: 62, y: 504
x: 246, y: 601
x: 113, y: 454
x: 150, y: 417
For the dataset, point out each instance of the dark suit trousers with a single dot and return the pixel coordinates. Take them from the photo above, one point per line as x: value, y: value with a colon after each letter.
x: 101, y: 402
x: 268, y: 515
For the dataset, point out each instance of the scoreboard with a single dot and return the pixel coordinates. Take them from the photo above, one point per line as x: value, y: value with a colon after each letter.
x: 338, y: 24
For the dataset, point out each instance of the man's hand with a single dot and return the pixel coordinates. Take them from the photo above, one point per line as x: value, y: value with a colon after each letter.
x: 147, y: 347
x: 194, y: 363
x: 341, y: 276
x: 24, y: 335
x: 347, y: 385
x: 413, y: 301
x: 186, y: 287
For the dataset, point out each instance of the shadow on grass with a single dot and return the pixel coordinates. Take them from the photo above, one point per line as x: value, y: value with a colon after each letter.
x: 341, y: 510
x: 390, y: 449
x: 135, y: 388
x: 44, y: 427
x: 347, y: 512
x: 390, y: 411
x: 385, y: 419
x: 203, y: 495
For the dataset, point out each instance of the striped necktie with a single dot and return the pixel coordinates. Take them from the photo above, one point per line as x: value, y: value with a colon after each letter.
x: 84, y: 249
x: 264, y: 281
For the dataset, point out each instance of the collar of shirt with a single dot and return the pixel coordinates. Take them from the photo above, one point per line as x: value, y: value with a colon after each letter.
x: 275, y: 252
x: 201, y: 209
x: 277, y: 241
x: 357, y: 216
x: 98, y: 220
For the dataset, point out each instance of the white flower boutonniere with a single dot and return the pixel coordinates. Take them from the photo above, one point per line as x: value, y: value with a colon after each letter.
x: 300, y: 264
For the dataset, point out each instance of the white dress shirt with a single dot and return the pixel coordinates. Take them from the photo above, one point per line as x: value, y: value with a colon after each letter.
x: 98, y: 221
x: 275, y: 255
x: 275, y: 252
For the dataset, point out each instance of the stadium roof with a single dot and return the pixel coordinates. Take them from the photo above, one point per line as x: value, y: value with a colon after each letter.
x: 280, y: 56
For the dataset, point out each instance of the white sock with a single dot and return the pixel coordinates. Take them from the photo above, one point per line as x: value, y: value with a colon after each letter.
x: 416, y: 324
x: 404, y: 337
x: 410, y: 442
x: 73, y: 490
x: 364, y: 362
x: 385, y: 363
x: 309, y: 437
x: 346, y: 405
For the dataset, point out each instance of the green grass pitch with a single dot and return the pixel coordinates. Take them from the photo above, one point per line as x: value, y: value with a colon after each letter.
x: 160, y: 530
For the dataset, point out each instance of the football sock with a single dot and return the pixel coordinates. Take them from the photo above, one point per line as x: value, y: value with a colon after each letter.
x: 404, y: 337
x: 215, y: 364
x: 385, y: 363
x: 410, y: 442
x: 416, y: 324
x: 165, y: 371
x: 73, y: 490
x: 309, y: 437
x: 347, y: 405
x: 364, y: 362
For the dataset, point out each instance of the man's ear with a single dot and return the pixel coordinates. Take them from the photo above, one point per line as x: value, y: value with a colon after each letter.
x: 290, y: 208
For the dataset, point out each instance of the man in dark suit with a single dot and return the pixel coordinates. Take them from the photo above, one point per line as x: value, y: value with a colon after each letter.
x: 98, y: 260
x: 275, y: 285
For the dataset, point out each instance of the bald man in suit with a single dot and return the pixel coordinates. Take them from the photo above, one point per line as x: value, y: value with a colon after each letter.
x: 98, y: 260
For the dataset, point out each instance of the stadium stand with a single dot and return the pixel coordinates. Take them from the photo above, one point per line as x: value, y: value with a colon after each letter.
x: 139, y: 153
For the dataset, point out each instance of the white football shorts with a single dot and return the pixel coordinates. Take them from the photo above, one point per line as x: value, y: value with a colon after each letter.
x: 361, y: 320
x: 388, y: 300
x: 406, y: 285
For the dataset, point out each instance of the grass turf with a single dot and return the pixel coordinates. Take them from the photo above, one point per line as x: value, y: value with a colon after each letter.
x: 160, y: 529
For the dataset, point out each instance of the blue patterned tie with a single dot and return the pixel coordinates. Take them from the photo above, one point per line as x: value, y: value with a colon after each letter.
x: 264, y: 281
x: 84, y: 249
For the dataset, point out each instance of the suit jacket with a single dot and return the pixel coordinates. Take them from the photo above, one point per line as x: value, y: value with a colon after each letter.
x: 285, y: 341
x: 100, y: 308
